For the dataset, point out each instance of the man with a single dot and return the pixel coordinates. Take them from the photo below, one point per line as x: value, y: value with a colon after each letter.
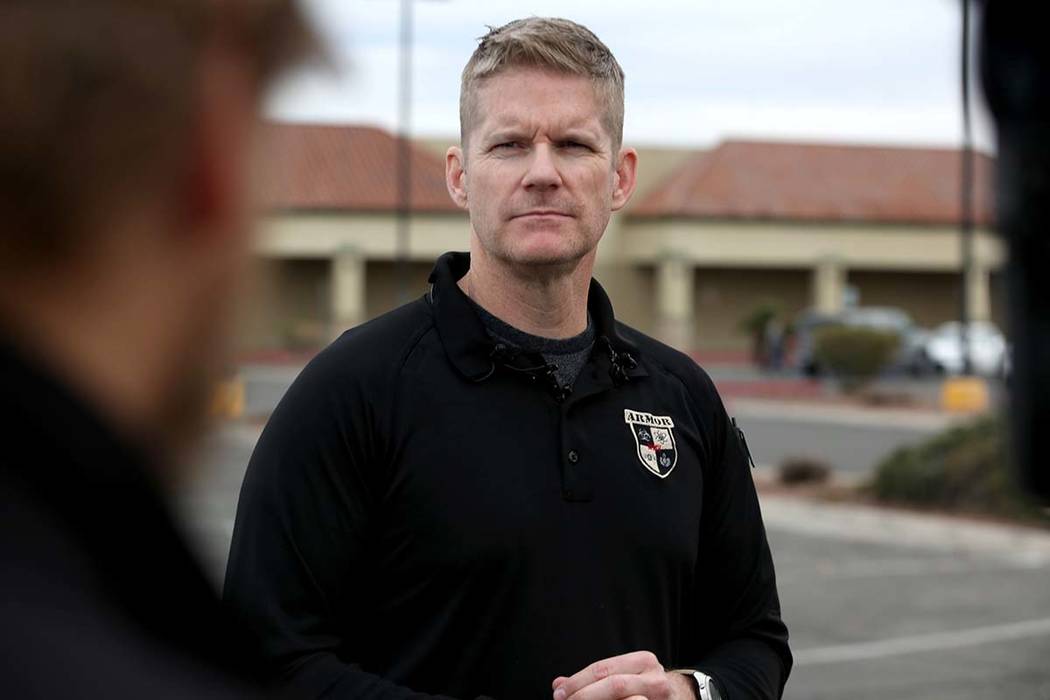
x: 126, y: 131
x: 498, y: 490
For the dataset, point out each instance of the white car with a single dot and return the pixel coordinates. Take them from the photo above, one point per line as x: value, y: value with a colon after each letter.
x: 988, y: 350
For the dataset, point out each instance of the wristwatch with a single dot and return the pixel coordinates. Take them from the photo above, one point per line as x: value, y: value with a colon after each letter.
x: 705, y: 686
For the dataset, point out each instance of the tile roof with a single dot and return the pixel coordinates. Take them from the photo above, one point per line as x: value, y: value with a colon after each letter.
x: 348, y: 168
x: 816, y: 182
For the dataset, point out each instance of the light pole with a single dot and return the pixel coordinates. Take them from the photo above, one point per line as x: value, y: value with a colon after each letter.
x: 404, y: 161
x: 966, y: 198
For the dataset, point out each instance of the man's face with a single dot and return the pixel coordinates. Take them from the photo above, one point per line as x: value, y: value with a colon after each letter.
x: 539, y: 175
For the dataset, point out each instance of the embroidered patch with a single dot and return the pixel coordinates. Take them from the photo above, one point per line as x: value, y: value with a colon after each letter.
x: 654, y: 438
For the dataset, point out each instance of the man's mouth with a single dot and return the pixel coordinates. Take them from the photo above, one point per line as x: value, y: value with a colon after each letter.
x: 540, y: 213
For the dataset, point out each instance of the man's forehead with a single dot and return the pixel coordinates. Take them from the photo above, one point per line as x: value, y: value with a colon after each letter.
x: 502, y: 120
x: 530, y: 99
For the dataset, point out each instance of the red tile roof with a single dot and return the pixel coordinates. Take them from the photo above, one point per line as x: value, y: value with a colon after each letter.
x: 812, y: 182
x: 348, y: 168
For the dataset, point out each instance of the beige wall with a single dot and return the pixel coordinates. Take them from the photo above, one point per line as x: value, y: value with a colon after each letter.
x: 289, y: 307
x: 723, y: 297
x: 383, y: 285
x: 737, y: 266
x: 779, y: 244
x: 931, y: 298
x: 374, y: 236
x: 631, y: 288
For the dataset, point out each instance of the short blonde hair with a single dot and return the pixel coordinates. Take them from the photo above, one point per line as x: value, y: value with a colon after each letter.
x: 550, y: 43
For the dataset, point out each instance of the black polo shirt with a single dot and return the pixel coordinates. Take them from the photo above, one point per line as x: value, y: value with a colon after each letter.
x: 429, y: 510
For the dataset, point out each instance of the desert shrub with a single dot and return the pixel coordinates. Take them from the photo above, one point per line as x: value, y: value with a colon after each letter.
x: 795, y: 471
x: 756, y: 320
x: 965, y: 468
x: 854, y: 356
x: 754, y: 323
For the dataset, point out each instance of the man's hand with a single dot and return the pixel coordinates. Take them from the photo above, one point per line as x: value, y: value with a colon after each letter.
x: 636, y: 676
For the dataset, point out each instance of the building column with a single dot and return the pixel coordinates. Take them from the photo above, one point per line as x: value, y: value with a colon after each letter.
x: 829, y: 286
x: 978, y: 293
x: 674, y: 301
x: 347, y: 290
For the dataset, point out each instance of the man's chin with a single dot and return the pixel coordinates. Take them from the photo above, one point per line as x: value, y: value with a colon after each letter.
x: 548, y: 251
x: 546, y: 259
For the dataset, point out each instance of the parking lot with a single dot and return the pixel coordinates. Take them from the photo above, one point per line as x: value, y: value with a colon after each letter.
x: 878, y: 607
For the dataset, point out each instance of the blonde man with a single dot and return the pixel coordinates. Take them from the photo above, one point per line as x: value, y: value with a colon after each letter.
x: 498, y: 490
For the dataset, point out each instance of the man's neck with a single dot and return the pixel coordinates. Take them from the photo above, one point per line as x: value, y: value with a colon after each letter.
x: 549, y: 304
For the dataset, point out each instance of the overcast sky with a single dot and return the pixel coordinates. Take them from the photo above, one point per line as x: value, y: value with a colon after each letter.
x: 698, y: 71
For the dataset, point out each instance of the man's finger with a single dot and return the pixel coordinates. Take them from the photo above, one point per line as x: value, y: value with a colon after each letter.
x: 651, y: 685
x: 632, y: 663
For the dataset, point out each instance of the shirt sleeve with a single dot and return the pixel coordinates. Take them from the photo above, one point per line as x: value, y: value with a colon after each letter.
x: 299, y: 556
x: 739, y: 637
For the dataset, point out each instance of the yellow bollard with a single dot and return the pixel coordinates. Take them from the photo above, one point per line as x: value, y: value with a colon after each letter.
x: 964, y: 395
x: 228, y: 399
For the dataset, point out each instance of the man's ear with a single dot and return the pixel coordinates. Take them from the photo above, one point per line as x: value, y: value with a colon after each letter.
x: 214, y: 194
x: 625, y: 177
x: 456, y: 176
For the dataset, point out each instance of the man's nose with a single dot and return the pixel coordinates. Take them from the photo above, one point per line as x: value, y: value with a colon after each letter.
x: 543, y: 170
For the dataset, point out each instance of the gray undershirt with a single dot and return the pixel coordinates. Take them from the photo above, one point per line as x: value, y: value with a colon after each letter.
x: 568, y: 355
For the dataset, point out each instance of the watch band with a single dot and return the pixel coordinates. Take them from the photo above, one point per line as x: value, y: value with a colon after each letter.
x: 705, y: 687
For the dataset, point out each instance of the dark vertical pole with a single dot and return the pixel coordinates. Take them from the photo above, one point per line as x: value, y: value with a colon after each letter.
x: 404, y: 162
x: 966, y: 196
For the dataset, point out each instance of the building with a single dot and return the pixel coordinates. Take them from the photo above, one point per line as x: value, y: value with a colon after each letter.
x: 709, y: 235
x: 795, y: 225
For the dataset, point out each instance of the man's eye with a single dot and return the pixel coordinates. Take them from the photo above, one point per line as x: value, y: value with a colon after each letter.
x: 575, y: 145
x: 506, y: 146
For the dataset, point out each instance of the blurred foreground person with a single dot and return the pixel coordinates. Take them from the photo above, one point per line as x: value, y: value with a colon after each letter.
x: 498, y: 490
x: 127, y: 128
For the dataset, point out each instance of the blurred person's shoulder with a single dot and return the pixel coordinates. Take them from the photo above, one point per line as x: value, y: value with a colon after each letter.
x: 64, y: 635
x: 91, y: 570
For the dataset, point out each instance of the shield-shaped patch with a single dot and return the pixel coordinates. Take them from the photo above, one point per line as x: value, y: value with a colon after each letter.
x: 654, y: 438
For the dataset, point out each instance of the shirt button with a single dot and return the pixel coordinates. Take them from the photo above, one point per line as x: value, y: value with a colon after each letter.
x: 574, y: 456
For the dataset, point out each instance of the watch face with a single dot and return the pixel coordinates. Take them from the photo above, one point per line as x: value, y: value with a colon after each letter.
x: 713, y: 690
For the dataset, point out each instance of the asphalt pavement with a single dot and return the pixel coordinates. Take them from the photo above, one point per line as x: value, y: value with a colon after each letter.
x: 880, y: 605
x: 849, y: 440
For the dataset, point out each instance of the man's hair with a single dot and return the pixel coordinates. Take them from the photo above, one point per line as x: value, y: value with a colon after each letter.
x: 548, y: 43
x: 96, y: 100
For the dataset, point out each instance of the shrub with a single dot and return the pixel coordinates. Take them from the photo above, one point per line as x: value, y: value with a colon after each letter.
x: 854, y: 356
x: 759, y: 317
x: 965, y: 468
x: 796, y: 471
x: 755, y: 323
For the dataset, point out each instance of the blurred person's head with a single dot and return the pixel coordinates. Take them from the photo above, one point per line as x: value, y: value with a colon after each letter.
x: 127, y: 135
x: 541, y: 165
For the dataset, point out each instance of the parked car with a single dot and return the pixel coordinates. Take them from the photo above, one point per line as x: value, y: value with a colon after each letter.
x: 989, y: 353
x: 909, y: 357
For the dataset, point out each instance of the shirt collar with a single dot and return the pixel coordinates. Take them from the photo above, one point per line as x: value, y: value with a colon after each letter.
x: 469, y: 346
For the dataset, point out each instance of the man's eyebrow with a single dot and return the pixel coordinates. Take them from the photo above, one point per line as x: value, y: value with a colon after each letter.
x: 580, y: 134
x: 506, y: 134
